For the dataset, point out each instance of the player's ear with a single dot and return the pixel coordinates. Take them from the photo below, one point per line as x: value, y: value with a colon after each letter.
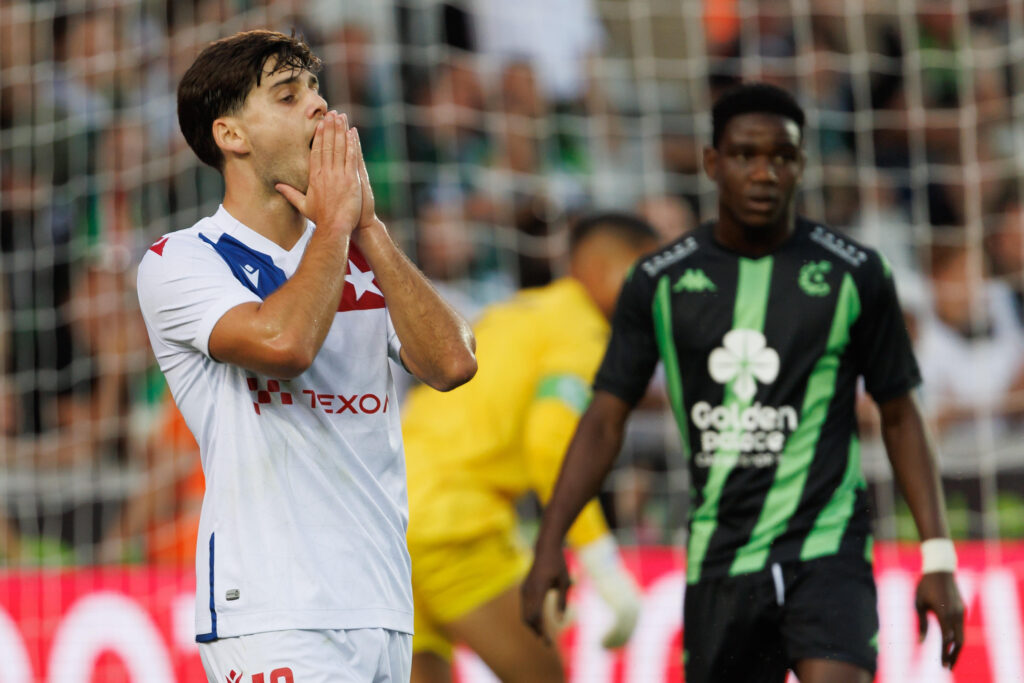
x: 229, y: 137
x: 710, y: 161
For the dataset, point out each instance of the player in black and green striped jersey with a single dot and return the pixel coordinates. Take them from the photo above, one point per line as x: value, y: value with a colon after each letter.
x: 764, y: 322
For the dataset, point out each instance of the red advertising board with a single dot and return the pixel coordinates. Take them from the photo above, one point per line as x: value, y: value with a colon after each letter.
x: 135, y: 624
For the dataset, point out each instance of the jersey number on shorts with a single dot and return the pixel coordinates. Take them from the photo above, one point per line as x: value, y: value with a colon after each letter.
x: 282, y: 675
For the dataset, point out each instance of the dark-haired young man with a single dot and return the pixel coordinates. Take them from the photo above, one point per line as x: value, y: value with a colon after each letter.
x: 273, y: 321
x: 472, y: 452
x: 764, y: 322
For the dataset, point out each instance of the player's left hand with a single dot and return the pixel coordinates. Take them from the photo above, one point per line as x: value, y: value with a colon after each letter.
x: 548, y: 573
x: 937, y: 593
x: 369, y: 215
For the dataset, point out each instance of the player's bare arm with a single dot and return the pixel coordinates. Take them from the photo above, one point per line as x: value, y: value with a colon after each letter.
x: 437, y: 343
x: 918, y: 477
x: 281, y: 336
x: 587, y: 462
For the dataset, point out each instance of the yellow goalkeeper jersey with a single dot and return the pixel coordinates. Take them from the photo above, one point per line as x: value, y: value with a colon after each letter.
x: 470, y: 453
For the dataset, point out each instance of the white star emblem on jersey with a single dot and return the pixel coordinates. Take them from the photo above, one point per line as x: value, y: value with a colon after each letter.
x: 361, y: 281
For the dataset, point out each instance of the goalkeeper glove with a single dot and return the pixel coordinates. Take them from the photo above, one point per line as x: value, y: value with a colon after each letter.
x: 615, y: 585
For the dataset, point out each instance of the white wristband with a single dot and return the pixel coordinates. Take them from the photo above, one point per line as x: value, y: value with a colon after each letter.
x: 938, y: 555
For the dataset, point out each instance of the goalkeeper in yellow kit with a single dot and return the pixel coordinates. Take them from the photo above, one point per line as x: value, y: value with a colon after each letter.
x: 471, y: 453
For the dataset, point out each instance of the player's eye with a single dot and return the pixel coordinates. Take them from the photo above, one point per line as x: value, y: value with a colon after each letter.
x: 288, y: 98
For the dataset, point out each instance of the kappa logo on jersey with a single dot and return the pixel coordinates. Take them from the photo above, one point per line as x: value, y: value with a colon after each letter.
x: 234, y: 676
x: 361, y: 292
x: 744, y: 358
x: 694, y: 280
x: 265, y: 396
x: 253, y: 274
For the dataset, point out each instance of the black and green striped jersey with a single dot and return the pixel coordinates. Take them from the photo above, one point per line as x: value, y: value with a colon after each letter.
x: 762, y: 358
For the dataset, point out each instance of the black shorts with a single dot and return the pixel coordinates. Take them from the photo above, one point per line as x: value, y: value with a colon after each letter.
x: 752, y: 628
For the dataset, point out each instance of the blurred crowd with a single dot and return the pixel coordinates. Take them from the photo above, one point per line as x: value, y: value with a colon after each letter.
x: 487, y: 127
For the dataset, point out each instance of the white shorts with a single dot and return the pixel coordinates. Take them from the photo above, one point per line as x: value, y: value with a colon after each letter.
x: 364, y: 655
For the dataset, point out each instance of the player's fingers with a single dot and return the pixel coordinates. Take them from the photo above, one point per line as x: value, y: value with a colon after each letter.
x: 330, y: 128
x: 352, y: 179
x: 949, y: 649
x: 532, y: 613
x: 363, y: 175
x: 922, y: 621
x: 294, y: 197
x: 352, y: 154
x: 952, y: 637
x: 346, y: 141
x: 341, y: 153
x: 316, y: 153
x: 563, y: 584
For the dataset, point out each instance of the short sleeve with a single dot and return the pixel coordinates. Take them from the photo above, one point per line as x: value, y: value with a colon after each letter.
x: 394, y: 344
x: 632, y: 352
x: 885, y: 356
x: 184, y: 289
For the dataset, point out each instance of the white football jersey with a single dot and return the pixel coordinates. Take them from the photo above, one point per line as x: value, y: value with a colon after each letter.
x: 304, y: 518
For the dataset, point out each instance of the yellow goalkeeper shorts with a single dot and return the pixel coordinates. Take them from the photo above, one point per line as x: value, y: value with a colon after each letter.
x: 451, y: 580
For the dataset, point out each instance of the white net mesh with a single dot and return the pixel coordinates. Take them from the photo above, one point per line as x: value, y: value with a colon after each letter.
x: 487, y: 127
x: 486, y: 132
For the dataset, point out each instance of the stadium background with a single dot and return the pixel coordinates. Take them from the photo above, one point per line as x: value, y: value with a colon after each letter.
x: 488, y: 125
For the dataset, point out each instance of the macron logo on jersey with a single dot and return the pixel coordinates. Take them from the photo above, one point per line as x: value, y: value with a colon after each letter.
x: 261, y: 279
x: 253, y: 274
x: 258, y: 273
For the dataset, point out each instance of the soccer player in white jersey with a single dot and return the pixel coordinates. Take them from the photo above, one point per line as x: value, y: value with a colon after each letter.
x: 273, y: 321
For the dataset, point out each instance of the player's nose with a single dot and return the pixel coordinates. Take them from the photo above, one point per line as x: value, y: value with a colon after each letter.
x: 319, y: 107
x: 763, y: 170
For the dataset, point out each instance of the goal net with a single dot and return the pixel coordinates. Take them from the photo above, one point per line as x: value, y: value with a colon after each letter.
x: 488, y: 127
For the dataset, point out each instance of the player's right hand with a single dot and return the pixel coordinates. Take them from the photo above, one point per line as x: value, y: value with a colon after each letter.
x: 334, y: 195
x: 547, y: 573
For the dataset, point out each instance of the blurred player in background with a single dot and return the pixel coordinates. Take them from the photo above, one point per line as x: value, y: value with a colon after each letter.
x: 160, y: 521
x: 269, y: 321
x: 765, y: 321
x: 473, y: 452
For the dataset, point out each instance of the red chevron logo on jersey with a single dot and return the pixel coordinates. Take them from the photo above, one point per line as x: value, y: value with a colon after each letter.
x: 158, y: 246
x: 361, y: 291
